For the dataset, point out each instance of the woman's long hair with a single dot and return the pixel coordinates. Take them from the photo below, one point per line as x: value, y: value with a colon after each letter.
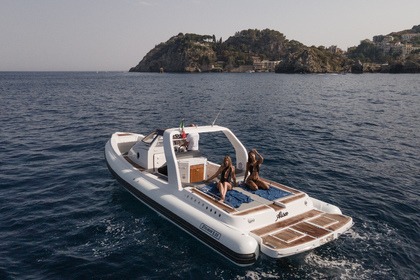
x: 249, y: 156
x: 229, y: 161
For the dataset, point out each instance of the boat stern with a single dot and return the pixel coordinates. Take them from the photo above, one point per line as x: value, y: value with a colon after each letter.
x: 301, y: 233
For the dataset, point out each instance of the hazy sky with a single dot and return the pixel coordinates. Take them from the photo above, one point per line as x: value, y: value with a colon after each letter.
x: 108, y: 35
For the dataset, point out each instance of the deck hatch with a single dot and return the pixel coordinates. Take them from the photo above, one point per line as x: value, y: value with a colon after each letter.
x: 288, y: 235
x: 323, y: 221
x: 341, y: 221
x: 286, y: 223
x: 310, y: 229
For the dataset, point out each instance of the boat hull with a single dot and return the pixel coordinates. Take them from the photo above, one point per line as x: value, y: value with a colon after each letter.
x: 280, y: 222
x: 238, y: 248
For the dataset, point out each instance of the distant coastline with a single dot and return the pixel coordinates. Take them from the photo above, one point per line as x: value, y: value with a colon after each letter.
x: 267, y: 50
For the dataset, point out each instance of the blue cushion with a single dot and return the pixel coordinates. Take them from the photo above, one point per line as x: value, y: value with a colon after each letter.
x: 272, y: 193
x: 233, y: 197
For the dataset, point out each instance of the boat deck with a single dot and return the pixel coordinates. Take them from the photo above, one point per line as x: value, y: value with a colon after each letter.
x: 293, y: 227
x: 258, y: 203
x: 301, y: 229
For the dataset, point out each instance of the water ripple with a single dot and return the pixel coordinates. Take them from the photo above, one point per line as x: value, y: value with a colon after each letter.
x: 351, y: 140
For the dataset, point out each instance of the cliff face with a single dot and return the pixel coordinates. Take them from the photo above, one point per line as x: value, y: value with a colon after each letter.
x: 313, y: 60
x: 397, y: 52
x: 181, y: 53
x: 409, y: 65
x: 239, y: 53
x: 261, y: 50
x: 245, y: 45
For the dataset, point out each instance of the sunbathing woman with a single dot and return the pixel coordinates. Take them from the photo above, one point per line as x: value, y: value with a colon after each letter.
x: 227, y: 171
x: 253, y: 181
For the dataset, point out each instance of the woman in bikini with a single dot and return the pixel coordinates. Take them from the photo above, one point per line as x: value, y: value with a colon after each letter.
x: 227, y: 172
x: 253, y: 181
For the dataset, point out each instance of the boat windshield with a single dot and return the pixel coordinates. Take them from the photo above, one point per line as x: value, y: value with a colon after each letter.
x: 152, y: 136
x: 149, y: 138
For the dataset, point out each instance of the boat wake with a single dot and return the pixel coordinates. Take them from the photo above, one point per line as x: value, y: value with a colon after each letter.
x: 110, y: 239
x: 324, y: 267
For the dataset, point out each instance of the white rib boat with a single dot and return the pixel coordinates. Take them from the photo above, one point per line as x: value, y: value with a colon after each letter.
x: 279, y: 222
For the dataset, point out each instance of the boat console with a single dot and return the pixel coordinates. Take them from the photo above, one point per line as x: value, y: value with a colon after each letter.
x: 148, y: 152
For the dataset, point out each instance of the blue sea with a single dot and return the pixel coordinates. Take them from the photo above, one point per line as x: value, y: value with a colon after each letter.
x: 350, y: 140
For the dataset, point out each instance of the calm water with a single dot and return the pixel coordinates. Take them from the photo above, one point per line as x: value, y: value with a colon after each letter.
x: 351, y: 140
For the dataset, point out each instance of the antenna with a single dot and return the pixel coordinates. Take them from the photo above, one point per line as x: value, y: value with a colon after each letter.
x: 220, y: 110
x: 217, y: 116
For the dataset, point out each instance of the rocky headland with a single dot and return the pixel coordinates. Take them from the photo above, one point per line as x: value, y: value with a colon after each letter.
x: 267, y: 50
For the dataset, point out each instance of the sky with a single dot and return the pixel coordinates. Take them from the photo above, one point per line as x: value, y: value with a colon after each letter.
x: 114, y: 35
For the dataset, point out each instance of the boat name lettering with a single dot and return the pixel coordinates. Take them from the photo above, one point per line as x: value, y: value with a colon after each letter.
x: 210, y: 231
x: 281, y: 215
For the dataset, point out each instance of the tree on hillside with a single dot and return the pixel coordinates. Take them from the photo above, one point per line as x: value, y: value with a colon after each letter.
x: 367, y: 52
x: 416, y: 28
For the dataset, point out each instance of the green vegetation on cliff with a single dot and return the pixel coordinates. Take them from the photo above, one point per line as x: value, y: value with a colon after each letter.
x: 269, y: 50
x: 196, y: 53
x: 243, y: 46
x: 313, y: 60
x: 397, y: 52
x: 181, y: 53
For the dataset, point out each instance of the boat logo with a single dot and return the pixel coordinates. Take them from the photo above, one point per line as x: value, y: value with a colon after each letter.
x: 210, y: 231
